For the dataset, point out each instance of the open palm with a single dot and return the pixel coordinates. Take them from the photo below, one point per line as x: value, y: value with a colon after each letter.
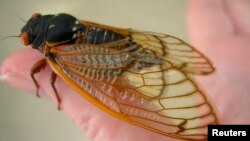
x: 220, y: 29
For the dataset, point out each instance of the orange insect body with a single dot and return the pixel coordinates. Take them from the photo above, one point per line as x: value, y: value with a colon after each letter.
x: 143, y: 78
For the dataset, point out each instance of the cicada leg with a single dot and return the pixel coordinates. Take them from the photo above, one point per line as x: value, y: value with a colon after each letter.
x: 52, y: 83
x: 41, y: 64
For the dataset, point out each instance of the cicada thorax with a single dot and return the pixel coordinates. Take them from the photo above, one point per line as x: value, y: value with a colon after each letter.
x: 65, y: 29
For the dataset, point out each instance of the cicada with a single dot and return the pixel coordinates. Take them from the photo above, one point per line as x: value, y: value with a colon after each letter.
x: 143, y: 78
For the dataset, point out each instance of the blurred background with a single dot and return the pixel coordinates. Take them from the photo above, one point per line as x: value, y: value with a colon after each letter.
x: 23, y: 117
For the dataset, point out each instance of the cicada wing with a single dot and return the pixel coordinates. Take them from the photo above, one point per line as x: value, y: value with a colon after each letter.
x: 168, y: 101
x: 175, y: 50
x: 135, y: 85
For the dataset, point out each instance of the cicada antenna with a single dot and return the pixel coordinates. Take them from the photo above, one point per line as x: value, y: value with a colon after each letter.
x: 15, y: 36
x: 22, y: 19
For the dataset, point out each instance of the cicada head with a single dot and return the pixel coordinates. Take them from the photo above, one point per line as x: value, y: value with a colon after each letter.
x: 50, y: 29
x: 33, y: 32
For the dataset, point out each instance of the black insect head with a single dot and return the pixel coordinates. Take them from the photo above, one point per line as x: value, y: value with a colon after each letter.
x: 52, y: 29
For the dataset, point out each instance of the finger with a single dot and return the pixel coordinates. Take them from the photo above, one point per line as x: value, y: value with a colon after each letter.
x: 207, y: 21
x: 16, y: 69
x: 95, y: 123
x: 239, y: 11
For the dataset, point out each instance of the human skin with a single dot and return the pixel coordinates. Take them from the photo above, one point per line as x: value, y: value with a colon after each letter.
x: 218, y: 28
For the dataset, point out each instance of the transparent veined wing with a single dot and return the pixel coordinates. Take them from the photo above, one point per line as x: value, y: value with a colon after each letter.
x: 175, y: 50
x: 137, y: 85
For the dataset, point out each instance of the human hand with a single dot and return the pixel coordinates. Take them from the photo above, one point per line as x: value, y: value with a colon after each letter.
x: 221, y: 29
x: 100, y: 126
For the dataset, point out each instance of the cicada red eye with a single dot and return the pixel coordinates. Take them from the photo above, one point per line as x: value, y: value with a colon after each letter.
x: 36, y: 15
x: 24, y: 38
